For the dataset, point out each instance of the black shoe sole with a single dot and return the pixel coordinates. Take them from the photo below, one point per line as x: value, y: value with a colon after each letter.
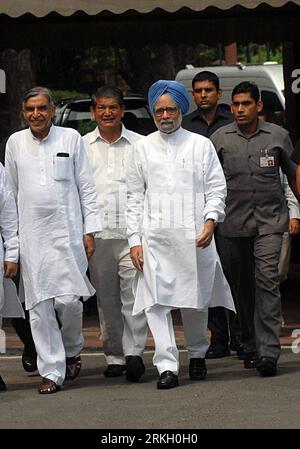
x: 114, y: 373
x: 266, y: 372
x: 197, y: 377
x: 167, y: 387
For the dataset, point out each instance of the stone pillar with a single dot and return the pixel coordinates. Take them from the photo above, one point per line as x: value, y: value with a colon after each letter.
x: 291, y: 62
x: 231, y: 54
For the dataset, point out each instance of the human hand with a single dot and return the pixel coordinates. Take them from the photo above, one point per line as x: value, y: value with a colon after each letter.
x: 10, y: 269
x: 205, y: 236
x: 294, y: 226
x: 136, y: 254
x: 89, y: 245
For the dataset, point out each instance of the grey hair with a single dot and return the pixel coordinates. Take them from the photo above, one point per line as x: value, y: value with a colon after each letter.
x: 39, y: 90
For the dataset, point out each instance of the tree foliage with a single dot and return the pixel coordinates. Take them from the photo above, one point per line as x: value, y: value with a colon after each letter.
x: 133, y: 69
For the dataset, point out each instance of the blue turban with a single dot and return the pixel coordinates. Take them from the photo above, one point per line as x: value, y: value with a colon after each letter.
x: 177, y: 92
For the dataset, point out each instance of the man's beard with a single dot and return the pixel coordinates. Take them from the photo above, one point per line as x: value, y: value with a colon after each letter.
x: 169, y: 126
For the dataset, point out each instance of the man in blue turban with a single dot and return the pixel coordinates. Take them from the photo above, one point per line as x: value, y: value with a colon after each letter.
x: 175, y: 90
x: 176, y: 193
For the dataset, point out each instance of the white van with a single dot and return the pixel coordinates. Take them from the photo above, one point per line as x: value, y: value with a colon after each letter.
x: 267, y: 76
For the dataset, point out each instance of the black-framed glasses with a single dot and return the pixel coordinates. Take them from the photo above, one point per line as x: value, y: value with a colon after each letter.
x: 170, y: 110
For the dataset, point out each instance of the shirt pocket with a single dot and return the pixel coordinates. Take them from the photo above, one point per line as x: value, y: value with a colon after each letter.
x: 269, y: 161
x: 119, y: 174
x: 62, y: 168
x: 185, y: 172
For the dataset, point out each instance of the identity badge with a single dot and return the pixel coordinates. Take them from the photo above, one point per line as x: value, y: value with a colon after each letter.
x: 265, y: 160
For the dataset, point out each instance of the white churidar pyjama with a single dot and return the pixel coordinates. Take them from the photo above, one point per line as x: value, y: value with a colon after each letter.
x: 166, y: 356
x: 54, y: 343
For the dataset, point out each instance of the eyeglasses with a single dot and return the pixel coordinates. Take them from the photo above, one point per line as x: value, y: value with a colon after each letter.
x: 170, y: 110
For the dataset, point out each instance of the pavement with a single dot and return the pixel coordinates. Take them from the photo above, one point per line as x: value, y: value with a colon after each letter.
x: 290, y: 310
x: 230, y: 398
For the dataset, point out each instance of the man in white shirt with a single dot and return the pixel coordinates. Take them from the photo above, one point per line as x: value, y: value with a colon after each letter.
x: 108, y: 147
x: 50, y: 177
x: 10, y: 305
x: 294, y: 228
x: 176, y: 195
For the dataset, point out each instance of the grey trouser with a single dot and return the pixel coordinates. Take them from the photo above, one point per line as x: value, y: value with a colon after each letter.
x: 250, y: 265
x: 112, y: 274
x: 285, y: 255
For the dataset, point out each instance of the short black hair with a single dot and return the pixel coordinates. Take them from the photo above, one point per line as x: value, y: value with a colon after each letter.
x: 205, y: 75
x: 108, y: 92
x: 247, y: 87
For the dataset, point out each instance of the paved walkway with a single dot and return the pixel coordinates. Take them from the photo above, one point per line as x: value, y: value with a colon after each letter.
x: 230, y: 397
x: 290, y: 308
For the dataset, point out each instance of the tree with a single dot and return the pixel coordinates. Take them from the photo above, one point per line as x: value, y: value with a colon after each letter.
x: 21, y: 76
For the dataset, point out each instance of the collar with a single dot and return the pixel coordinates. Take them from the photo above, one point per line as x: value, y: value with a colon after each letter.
x: 172, y: 135
x: 261, y: 127
x: 51, y: 131
x: 95, y: 136
x: 220, y: 112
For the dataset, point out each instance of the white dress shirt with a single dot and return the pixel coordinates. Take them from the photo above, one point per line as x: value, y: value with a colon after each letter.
x: 109, y: 163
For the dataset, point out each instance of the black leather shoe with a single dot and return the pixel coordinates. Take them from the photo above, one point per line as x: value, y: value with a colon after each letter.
x: 250, y: 360
x: 114, y: 370
x: 197, y: 369
x: 241, y: 353
x: 29, y: 362
x: 2, y: 384
x: 217, y: 351
x: 167, y: 380
x: 135, y: 368
x: 267, y: 366
x: 235, y: 343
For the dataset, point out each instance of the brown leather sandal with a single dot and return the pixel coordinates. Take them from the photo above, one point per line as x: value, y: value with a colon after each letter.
x: 48, y: 386
x: 73, y: 367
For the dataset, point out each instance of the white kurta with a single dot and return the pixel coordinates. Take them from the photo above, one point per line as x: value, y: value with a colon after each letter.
x: 10, y: 305
x: 57, y: 205
x: 175, y: 182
